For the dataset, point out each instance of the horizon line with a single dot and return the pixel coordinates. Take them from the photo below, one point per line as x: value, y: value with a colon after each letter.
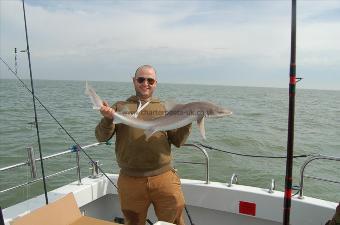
x: 177, y: 83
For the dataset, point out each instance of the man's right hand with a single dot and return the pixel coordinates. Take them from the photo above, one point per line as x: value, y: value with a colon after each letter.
x: 107, y: 111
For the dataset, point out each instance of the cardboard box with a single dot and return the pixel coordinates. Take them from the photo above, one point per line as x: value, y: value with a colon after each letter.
x: 64, y: 211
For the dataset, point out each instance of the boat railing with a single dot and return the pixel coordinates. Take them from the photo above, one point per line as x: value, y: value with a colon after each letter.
x: 303, y: 167
x: 206, y: 157
x: 31, y: 162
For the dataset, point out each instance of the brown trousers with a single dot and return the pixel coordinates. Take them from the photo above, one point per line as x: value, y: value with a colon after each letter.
x: 163, y: 191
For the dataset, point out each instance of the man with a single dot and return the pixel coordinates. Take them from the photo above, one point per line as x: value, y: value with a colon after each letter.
x: 146, y: 176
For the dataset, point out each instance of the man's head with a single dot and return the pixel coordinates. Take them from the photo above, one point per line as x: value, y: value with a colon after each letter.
x: 145, y: 81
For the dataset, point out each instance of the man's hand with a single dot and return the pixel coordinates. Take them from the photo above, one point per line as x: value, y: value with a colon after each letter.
x: 107, y: 111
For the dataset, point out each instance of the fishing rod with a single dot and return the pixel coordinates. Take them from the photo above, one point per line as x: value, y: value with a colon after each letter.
x: 34, y: 106
x: 291, y: 115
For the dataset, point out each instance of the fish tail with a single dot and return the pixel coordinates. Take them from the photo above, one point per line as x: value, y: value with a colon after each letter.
x: 95, y: 99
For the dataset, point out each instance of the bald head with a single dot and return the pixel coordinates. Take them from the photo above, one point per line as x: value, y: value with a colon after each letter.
x: 143, y: 68
x: 145, y: 81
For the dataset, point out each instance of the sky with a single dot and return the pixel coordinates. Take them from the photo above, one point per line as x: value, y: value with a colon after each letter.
x: 238, y: 43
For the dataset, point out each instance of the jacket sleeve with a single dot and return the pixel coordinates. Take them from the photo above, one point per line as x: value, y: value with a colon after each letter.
x: 104, y: 130
x: 179, y: 136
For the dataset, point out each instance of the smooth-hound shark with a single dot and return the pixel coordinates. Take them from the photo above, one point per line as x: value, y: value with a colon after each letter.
x: 177, y: 116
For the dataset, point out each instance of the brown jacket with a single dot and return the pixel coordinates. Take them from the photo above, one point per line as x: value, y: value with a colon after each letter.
x: 135, y: 156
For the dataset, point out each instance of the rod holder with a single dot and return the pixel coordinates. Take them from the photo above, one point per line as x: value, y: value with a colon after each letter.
x: 233, y: 180
x: 272, y: 187
x: 94, y: 170
x: 31, y: 162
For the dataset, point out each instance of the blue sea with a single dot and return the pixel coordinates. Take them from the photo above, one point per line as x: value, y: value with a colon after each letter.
x: 258, y: 126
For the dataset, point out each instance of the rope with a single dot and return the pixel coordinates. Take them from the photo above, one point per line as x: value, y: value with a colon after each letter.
x: 188, y: 214
x: 250, y: 155
x: 140, y: 108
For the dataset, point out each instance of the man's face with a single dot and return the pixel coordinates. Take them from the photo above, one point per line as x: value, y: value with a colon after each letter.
x: 145, y: 83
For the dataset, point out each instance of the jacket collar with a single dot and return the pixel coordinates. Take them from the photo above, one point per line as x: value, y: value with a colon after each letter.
x: 135, y: 98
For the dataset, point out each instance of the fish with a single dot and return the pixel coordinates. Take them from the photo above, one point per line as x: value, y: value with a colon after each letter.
x: 183, y: 114
x: 179, y: 115
x: 97, y: 102
x: 176, y: 116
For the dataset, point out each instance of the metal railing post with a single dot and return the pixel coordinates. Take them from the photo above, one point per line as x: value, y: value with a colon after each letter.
x: 207, y: 181
x: 31, y: 161
x: 78, y: 165
x: 302, y: 170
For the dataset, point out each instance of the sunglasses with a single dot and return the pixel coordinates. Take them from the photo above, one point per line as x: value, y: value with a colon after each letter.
x: 150, y: 81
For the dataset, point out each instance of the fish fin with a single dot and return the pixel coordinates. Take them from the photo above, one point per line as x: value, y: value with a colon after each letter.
x: 200, y: 123
x: 148, y: 133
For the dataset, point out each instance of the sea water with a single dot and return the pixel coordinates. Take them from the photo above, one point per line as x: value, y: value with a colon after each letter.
x: 258, y: 126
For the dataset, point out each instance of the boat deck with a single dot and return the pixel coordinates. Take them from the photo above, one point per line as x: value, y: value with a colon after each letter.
x: 220, y: 204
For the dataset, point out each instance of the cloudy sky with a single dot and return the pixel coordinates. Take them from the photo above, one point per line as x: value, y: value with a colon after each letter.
x: 242, y: 43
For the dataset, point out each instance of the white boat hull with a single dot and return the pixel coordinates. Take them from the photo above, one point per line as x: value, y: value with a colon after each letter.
x: 213, y: 203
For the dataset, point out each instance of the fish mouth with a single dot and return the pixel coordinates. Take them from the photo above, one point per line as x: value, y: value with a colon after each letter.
x: 224, y: 112
x: 221, y: 114
x: 227, y: 113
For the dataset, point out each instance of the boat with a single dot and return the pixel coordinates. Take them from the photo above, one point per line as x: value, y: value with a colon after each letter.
x: 207, y: 202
